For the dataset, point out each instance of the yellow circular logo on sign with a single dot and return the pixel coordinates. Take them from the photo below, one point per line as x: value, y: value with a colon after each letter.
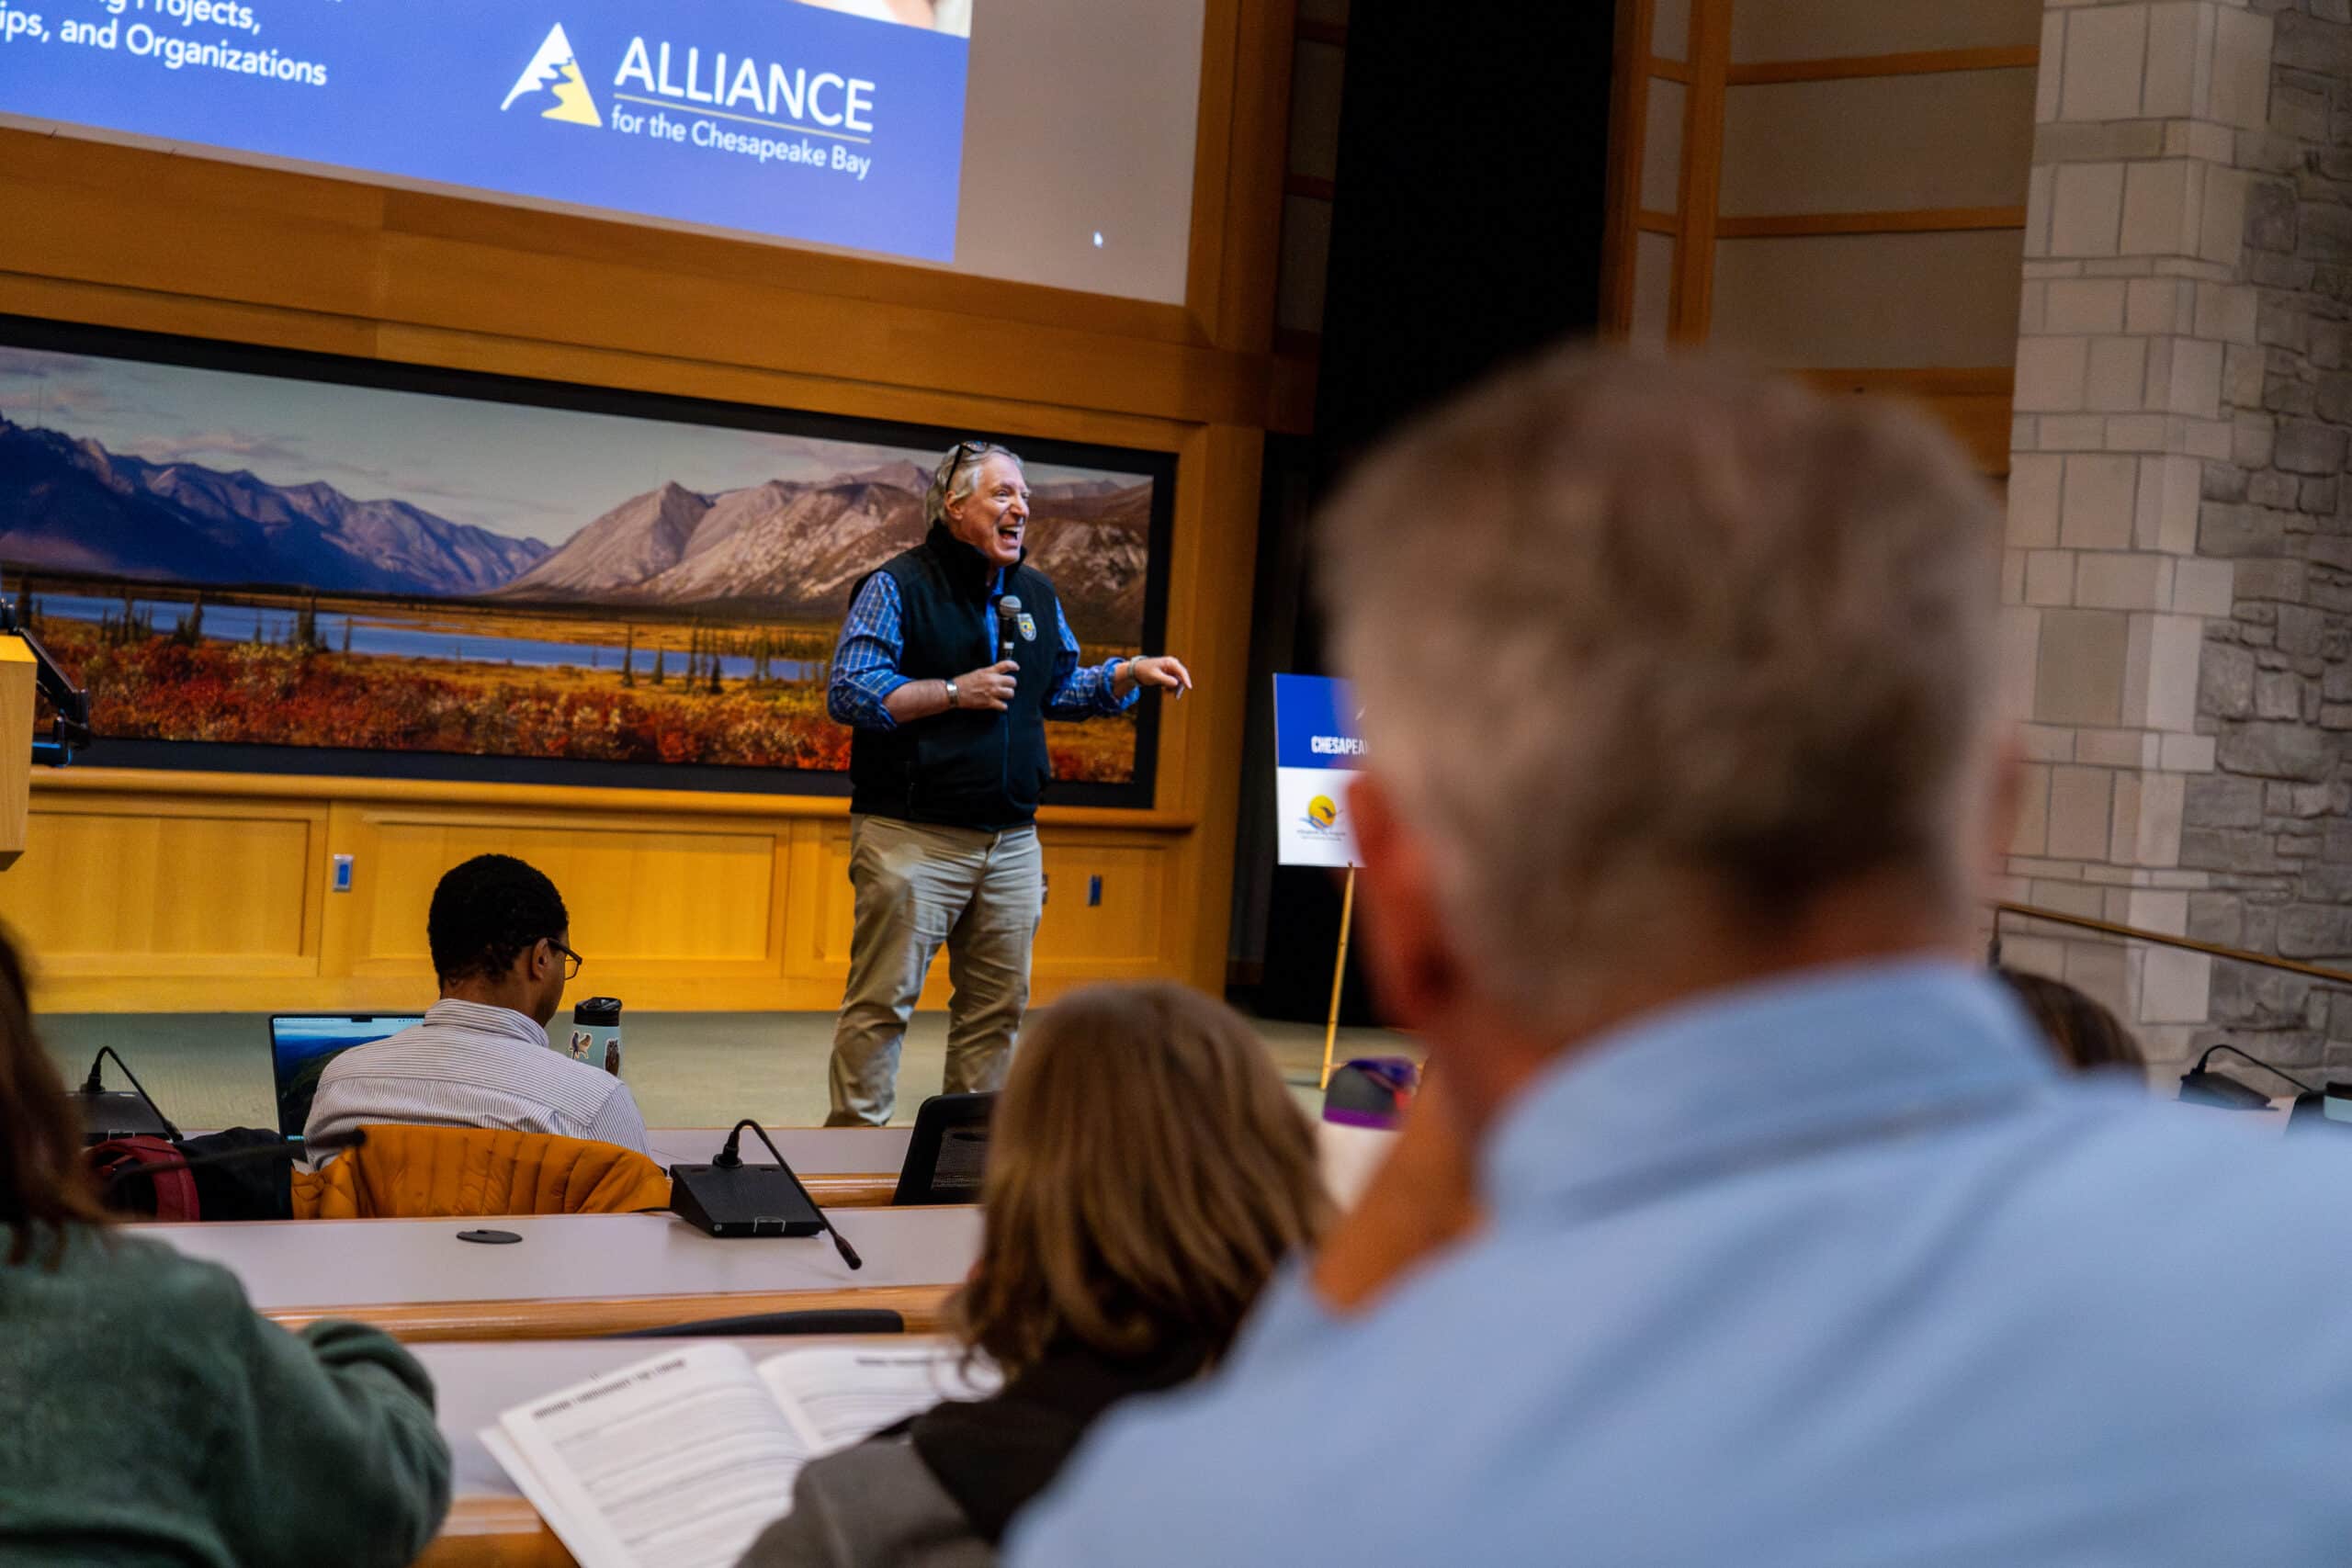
x: 1321, y: 811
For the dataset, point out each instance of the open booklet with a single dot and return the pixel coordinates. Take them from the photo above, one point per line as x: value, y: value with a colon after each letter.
x: 679, y: 1460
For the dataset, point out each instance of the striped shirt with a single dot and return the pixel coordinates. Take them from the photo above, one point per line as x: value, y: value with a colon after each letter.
x: 866, y: 663
x: 472, y: 1066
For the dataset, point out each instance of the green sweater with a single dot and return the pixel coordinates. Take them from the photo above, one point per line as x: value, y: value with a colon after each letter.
x: 148, y: 1417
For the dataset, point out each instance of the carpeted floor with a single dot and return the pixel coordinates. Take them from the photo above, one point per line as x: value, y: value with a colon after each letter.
x: 688, y: 1070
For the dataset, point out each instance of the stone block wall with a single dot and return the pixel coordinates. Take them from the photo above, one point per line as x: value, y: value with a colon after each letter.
x: 2272, y: 825
x: 2139, y: 341
x: 2179, y: 571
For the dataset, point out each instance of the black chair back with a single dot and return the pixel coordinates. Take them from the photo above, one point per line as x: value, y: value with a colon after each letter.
x: 949, y: 1152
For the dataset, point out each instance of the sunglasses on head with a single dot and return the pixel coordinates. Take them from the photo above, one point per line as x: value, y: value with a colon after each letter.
x: 963, y: 452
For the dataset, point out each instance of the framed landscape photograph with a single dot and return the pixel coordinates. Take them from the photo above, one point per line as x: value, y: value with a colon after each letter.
x: 259, y: 560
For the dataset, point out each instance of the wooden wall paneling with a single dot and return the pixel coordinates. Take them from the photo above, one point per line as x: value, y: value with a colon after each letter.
x: 1128, y: 934
x: 186, y: 192
x: 18, y: 675
x: 151, y: 888
x: 83, y: 211
x: 650, y: 899
x: 1702, y: 153
x: 1239, y: 164
x: 1200, y: 773
x: 1125, y: 933
x: 1628, y: 115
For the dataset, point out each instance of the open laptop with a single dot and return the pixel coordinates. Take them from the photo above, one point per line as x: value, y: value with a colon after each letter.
x: 302, y: 1044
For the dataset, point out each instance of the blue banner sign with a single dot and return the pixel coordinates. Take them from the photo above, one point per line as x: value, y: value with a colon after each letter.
x: 763, y: 116
x: 1316, y: 753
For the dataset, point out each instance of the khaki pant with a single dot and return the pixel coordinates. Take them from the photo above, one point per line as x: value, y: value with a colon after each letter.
x: 918, y: 885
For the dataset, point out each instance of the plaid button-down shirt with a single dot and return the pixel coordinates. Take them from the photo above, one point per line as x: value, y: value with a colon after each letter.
x: 866, y: 663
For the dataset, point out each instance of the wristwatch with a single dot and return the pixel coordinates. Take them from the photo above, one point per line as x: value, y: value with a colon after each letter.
x: 951, y: 693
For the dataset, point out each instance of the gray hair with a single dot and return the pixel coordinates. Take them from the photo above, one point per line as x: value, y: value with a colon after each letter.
x: 952, y: 481
x: 1676, y: 632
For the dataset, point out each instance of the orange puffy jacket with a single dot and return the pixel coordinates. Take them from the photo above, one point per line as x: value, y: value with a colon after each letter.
x: 423, y: 1172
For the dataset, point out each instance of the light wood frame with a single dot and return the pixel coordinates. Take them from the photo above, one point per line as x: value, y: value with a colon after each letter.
x: 1973, y: 402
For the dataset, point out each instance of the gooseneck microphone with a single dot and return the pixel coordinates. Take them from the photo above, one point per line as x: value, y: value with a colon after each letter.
x: 95, y: 1085
x: 1008, y: 622
x: 725, y: 1198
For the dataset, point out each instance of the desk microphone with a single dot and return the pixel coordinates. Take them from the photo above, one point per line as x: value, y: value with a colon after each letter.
x: 93, y: 1093
x: 1008, y: 622
x: 727, y: 1198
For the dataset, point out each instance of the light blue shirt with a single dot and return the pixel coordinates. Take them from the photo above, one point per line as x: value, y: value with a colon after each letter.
x: 1837, y: 1271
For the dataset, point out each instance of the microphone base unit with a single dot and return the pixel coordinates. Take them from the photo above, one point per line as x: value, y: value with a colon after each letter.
x: 113, y: 1113
x: 742, y: 1200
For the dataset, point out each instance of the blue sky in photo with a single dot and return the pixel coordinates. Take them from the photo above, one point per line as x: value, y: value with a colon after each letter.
x: 526, y: 472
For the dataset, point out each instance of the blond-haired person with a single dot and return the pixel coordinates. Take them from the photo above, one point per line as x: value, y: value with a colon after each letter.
x: 1148, y: 1173
x: 1794, y: 1245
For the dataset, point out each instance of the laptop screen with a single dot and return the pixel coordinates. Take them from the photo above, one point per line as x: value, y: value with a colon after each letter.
x: 302, y: 1044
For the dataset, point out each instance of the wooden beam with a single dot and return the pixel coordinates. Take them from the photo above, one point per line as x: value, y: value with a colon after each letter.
x: 1915, y: 220
x: 1650, y: 223
x: 1916, y: 62
x: 1671, y: 70
x: 579, y: 1318
x: 1628, y: 112
x: 1692, y: 306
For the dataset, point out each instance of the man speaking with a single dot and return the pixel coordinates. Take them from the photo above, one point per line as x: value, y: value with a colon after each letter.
x: 954, y: 655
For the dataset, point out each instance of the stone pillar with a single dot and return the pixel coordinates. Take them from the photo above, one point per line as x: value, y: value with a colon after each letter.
x: 2141, y: 375
x: 2269, y: 824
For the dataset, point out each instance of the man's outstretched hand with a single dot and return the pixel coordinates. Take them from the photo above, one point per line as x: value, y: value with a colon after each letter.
x: 1159, y: 670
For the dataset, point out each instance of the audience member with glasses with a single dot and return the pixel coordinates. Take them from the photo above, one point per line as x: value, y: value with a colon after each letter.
x: 953, y: 655
x: 501, y: 941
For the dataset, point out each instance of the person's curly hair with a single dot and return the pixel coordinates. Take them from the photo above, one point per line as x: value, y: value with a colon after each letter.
x: 486, y: 912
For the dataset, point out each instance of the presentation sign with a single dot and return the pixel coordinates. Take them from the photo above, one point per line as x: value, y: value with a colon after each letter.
x: 766, y: 116
x: 1317, y: 756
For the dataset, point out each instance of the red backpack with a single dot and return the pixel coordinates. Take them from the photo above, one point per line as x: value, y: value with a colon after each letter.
x: 146, y: 1176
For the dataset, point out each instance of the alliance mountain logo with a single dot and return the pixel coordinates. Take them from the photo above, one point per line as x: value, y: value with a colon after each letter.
x: 555, y: 70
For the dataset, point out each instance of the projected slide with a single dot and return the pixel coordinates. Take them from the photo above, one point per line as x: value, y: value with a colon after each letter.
x: 841, y: 124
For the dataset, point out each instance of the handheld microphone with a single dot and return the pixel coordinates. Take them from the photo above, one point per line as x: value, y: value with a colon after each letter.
x: 1007, y: 620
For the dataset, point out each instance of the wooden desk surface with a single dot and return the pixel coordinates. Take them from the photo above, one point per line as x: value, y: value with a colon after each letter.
x: 577, y: 1274
x: 489, y: 1525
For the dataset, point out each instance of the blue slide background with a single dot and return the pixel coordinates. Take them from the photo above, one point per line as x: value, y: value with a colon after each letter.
x: 413, y: 88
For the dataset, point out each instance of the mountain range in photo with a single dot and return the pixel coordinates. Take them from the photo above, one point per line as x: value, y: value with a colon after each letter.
x: 782, y: 548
